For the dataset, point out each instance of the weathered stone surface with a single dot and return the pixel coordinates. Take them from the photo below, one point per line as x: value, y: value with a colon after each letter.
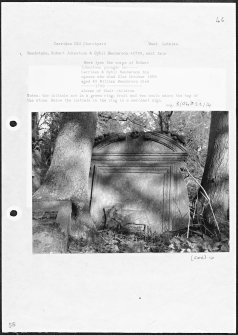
x: 118, y: 217
x: 140, y: 176
x: 50, y: 234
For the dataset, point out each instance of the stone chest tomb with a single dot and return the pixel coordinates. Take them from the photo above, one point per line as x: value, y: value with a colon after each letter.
x: 137, y: 177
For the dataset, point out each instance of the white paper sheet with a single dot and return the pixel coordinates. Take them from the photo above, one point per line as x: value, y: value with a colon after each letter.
x: 161, y: 56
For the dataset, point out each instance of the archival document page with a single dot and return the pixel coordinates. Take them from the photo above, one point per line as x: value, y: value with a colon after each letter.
x: 113, y: 58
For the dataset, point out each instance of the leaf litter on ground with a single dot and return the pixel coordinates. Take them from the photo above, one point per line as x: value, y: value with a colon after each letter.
x: 109, y: 241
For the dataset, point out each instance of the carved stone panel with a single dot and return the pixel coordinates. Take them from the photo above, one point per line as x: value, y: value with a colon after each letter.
x: 140, y: 176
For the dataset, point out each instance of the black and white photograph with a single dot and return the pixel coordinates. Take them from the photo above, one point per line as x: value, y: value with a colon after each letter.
x: 118, y: 167
x: 130, y: 182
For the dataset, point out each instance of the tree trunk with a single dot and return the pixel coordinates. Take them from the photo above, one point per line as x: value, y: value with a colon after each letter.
x: 215, y: 178
x: 67, y: 177
x: 36, y: 154
x: 35, y: 131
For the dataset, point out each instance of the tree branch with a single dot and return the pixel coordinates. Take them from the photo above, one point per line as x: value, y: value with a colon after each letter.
x: 206, y: 197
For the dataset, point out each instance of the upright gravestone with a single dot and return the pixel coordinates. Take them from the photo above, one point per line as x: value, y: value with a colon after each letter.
x: 139, y: 175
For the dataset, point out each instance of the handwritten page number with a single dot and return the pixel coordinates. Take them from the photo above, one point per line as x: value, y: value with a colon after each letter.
x: 220, y: 19
x: 12, y: 324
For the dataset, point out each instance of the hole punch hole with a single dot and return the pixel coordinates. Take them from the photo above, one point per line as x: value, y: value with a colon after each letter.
x: 13, y: 123
x: 13, y: 213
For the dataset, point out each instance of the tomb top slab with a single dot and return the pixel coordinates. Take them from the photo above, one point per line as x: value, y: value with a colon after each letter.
x: 139, y: 143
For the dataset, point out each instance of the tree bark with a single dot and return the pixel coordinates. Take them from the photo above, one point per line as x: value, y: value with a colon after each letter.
x: 67, y: 177
x: 216, y: 178
x: 35, y: 132
x: 36, y: 154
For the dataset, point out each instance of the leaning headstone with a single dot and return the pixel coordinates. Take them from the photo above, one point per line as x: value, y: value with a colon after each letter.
x: 140, y: 175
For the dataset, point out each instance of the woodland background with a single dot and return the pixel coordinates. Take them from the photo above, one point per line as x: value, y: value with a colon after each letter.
x: 189, y: 128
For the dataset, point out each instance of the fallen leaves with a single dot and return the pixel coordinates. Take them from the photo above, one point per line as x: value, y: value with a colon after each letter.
x: 198, y: 244
x: 109, y: 241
